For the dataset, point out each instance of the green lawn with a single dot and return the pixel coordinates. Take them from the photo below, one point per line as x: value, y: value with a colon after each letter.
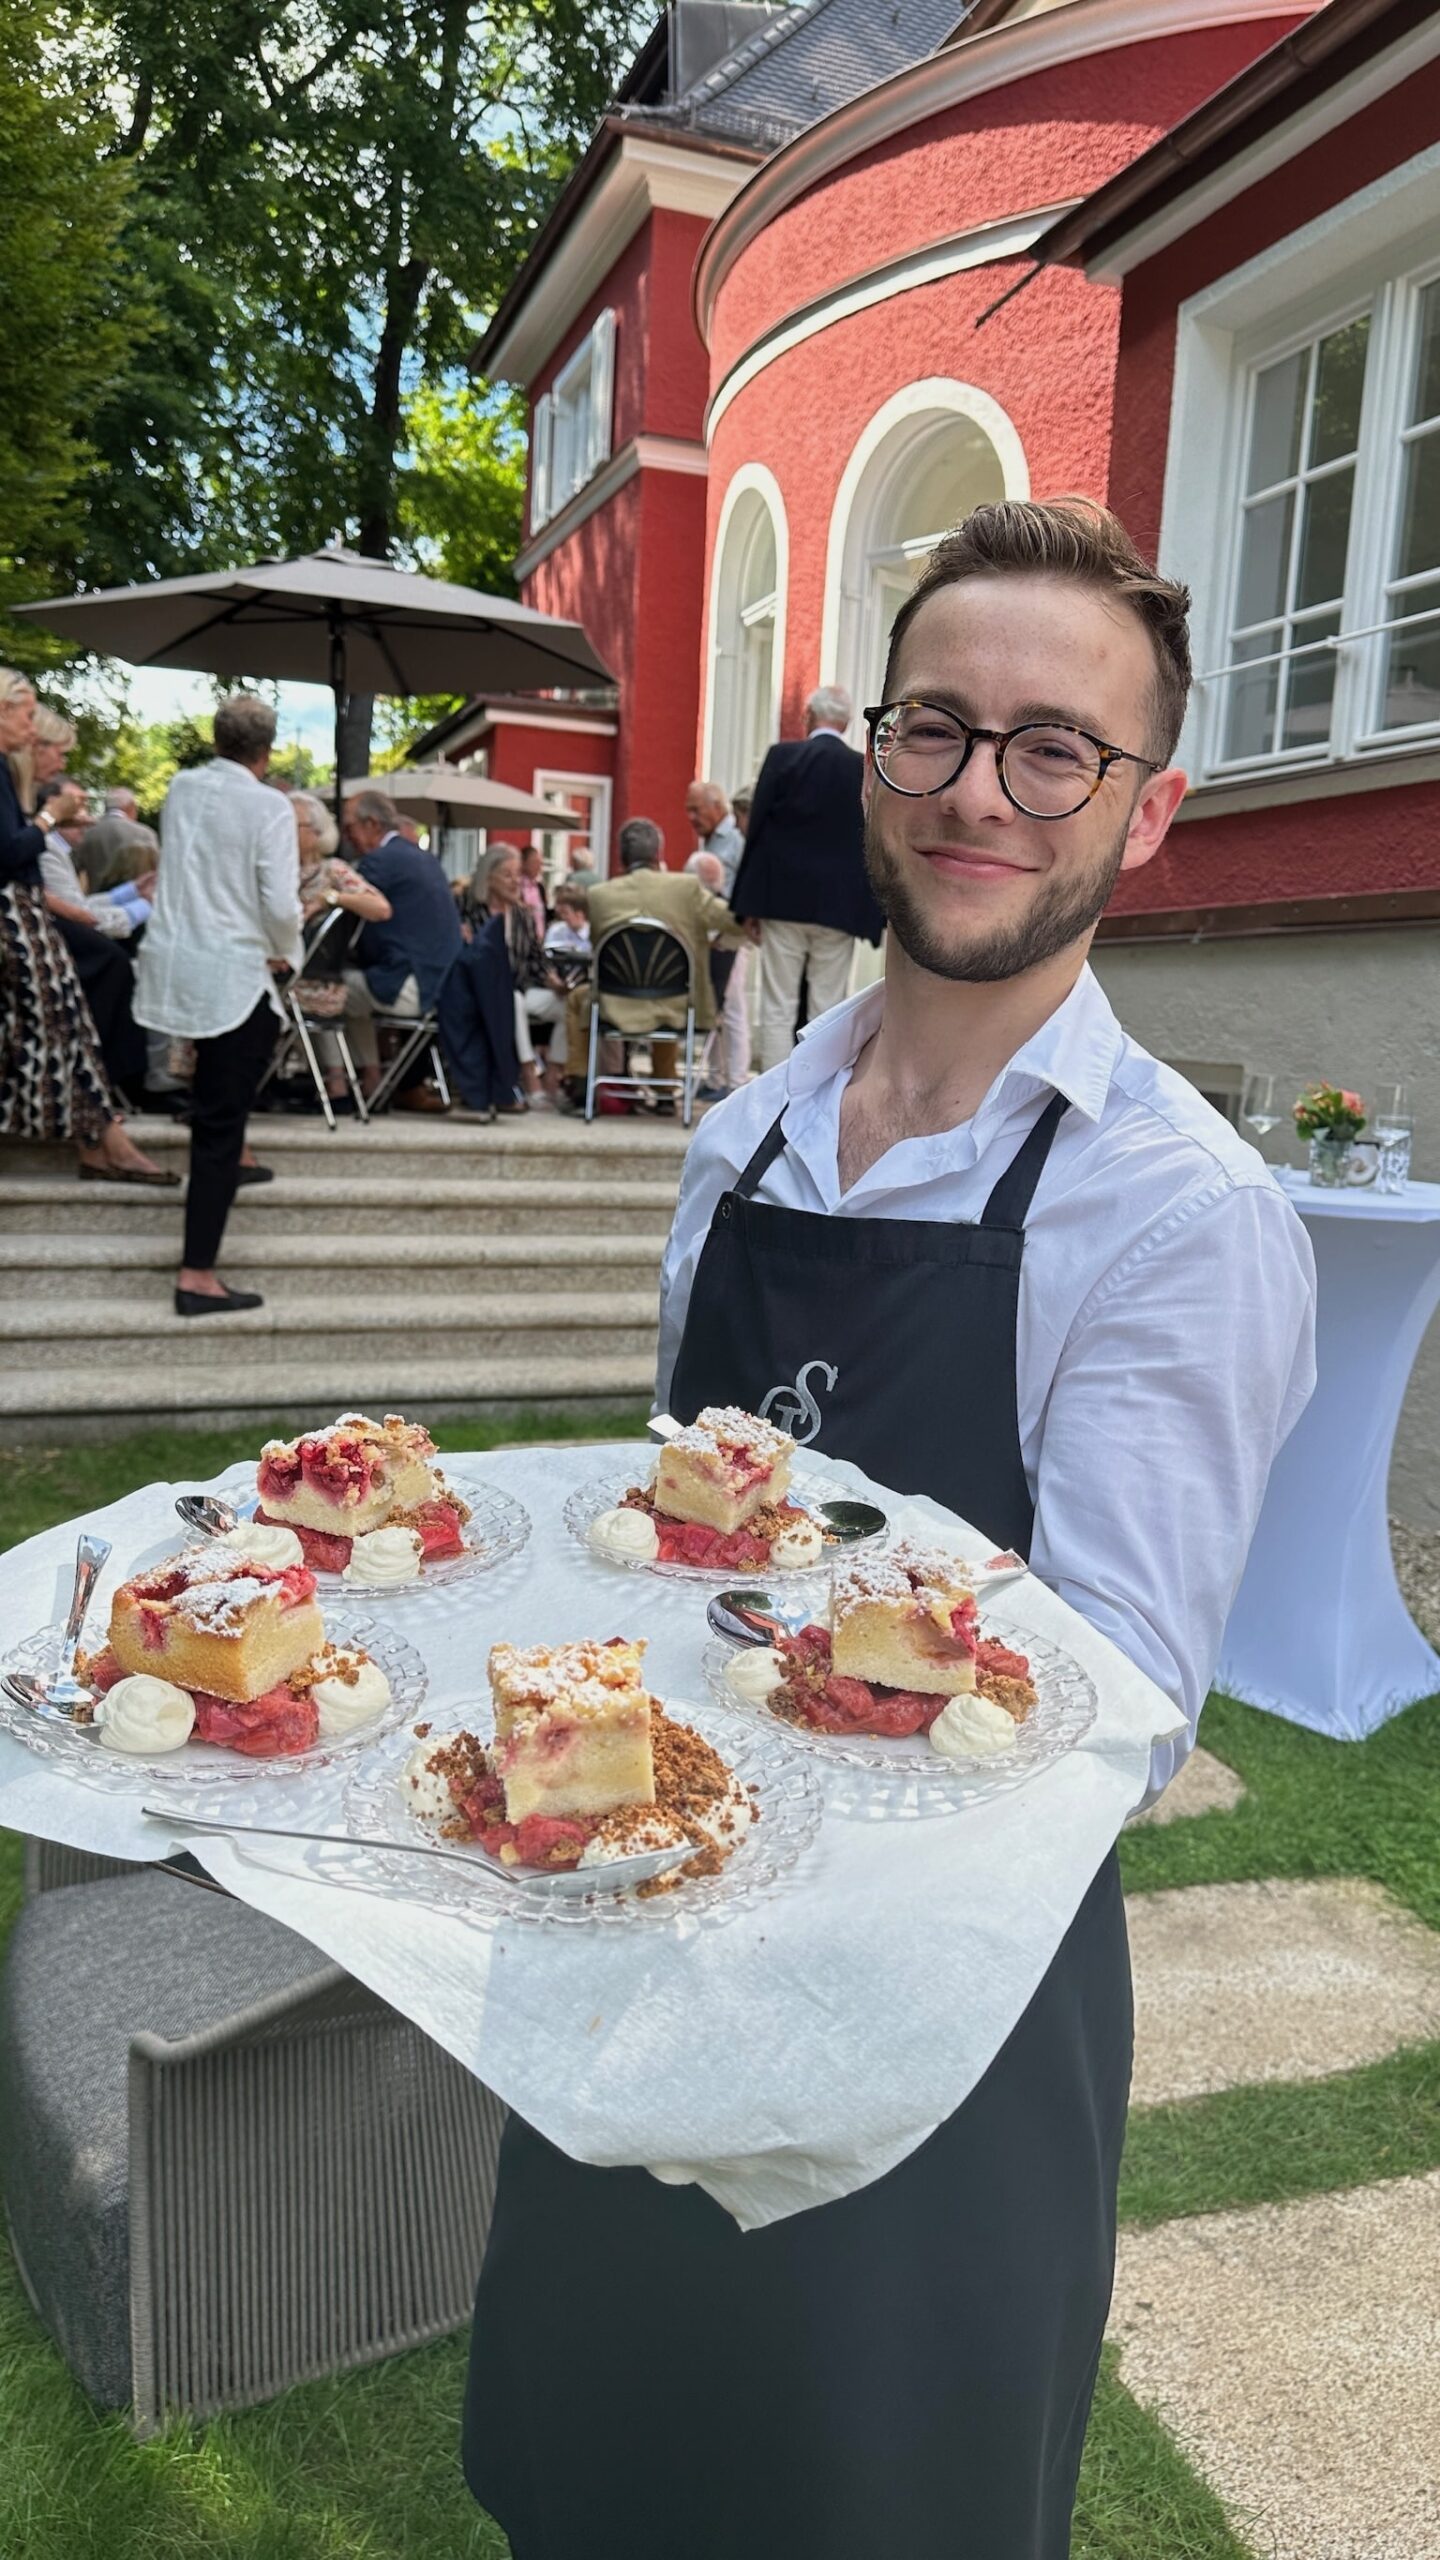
x: 364, y: 2468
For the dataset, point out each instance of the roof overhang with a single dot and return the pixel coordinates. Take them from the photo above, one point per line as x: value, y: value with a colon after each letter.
x: 971, y: 68
x: 1347, y: 55
x: 630, y: 171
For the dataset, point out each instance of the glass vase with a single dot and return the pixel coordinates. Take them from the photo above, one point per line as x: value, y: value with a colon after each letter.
x: 1330, y: 1160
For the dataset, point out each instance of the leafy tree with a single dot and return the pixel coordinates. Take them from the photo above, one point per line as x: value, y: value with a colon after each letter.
x: 461, y: 491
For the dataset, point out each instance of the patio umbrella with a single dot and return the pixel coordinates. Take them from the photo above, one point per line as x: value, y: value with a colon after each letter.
x: 440, y: 793
x: 332, y: 618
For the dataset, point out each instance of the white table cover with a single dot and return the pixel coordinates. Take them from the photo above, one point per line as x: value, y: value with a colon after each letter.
x: 785, y: 2058
x: 1319, y: 1632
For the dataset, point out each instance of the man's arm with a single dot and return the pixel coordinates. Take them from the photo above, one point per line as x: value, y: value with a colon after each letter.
x: 713, y: 916
x: 1182, y: 1376
x: 768, y: 797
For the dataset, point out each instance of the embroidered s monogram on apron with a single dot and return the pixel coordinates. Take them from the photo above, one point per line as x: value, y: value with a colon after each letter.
x: 788, y: 1407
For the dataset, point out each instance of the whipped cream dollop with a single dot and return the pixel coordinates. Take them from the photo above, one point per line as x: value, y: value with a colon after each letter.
x: 144, y: 1714
x: 755, y: 1674
x: 353, y: 1691
x: 385, y: 1558
x: 799, y: 1543
x: 634, y: 1838
x: 426, y: 1792
x: 264, y: 1542
x: 971, y: 1728
x: 729, y: 1818
x: 625, y: 1532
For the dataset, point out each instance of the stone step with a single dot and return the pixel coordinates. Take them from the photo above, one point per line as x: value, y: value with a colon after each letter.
x: 543, y: 1146
x: 410, y: 1377
x: 1240, y: 1983
x: 460, y: 1328
x: 1293, y: 2352
x: 416, y: 1206
x: 96, y: 1271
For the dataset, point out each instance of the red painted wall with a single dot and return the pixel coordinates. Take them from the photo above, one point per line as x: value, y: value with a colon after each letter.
x: 1035, y: 142
x: 1316, y: 848
x: 518, y: 754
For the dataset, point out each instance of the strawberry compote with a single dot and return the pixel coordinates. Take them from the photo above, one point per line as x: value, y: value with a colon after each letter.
x: 322, y: 1551
x: 271, y: 1727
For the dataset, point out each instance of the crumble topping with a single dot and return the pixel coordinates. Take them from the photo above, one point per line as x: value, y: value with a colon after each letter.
x: 725, y: 1434
x: 905, y: 1573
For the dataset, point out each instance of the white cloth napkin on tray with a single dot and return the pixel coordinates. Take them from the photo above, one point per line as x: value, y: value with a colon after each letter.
x: 781, y: 2060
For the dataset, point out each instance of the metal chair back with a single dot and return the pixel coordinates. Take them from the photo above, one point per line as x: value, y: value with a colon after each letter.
x: 641, y: 961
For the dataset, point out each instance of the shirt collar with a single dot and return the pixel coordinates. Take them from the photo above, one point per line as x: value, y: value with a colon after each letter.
x: 1075, y: 1052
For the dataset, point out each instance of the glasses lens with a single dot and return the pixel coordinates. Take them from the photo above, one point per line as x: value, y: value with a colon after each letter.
x: 1051, y: 772
x: 917, y: 749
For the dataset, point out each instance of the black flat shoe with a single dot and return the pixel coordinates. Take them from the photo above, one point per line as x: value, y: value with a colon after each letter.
x: 254, y: 1173
x: 151, y: 1177
x: 196, y: 1302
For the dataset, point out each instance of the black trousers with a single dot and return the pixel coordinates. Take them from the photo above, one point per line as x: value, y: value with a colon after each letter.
x: 107, y: 979
x: 228, y: 1070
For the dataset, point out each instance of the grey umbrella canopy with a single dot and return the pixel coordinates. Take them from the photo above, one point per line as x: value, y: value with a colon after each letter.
x: 332, y: 618
x: 438, y: 793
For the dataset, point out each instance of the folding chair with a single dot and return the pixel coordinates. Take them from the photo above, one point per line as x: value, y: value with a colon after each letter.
x: 301, y: 1022
x: 419, y: 1031
x: 641, y: 961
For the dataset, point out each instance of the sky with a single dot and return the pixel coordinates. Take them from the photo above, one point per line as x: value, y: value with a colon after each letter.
x: 307, y: 711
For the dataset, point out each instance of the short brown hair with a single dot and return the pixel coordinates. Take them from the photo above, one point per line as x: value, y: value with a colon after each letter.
x: 1067, y: 538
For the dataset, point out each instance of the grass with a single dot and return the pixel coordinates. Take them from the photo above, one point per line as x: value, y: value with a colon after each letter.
x: 364, y: 2468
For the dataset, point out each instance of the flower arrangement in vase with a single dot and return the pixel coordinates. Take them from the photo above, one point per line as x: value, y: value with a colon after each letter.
x: 1331, y: 1118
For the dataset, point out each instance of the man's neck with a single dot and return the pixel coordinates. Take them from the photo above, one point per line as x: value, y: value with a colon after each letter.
x: 939, y: 1046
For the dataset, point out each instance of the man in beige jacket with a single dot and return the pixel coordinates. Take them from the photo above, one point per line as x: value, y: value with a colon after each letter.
x: 673, y: 898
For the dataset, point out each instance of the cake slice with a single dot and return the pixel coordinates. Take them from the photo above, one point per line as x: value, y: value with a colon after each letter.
x: 218, y: 1623
x: 906, y: 1620
x: 723, y: 1468
x: 349, y: 1479
x: 572, y: 1728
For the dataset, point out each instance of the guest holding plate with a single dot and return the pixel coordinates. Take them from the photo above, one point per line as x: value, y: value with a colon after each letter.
x: 972, y: 1238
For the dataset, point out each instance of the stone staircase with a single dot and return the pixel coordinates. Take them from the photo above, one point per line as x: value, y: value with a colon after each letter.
x: 449, y: 1267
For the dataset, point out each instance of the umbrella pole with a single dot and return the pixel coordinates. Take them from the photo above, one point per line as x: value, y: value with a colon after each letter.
x: 337, y: 687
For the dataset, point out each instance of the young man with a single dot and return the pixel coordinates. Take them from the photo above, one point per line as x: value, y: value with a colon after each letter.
x: 973, y: 1238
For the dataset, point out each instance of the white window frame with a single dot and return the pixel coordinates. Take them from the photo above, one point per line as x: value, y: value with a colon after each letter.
x: 548, y: 784
x: 574, y: 423
x: 1375, y: 251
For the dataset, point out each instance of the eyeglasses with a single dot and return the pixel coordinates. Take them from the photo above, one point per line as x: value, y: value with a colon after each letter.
x: 1046, y: 768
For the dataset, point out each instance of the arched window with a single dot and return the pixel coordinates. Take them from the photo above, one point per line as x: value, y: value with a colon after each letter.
x: 747, y: 629
x: 931, y: 454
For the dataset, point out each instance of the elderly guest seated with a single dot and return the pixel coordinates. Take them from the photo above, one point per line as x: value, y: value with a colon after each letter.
x: 325, y: 884
x: 403, y: 957
x: 539, y: 987
x: 674, y: 898
x: 120, y: 912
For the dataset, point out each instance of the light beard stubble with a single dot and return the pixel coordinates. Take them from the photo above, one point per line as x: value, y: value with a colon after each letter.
x: 1067, y: 906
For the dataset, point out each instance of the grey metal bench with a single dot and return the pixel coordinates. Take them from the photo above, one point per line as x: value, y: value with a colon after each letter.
x: 226, y: 2165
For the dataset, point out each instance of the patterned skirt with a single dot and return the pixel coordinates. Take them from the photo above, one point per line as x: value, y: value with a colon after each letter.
x: 52, y: 1077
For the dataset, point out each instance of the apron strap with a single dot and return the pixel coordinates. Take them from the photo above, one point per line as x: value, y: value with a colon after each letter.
x: 1009, y: 1202
x: 771, y: 1146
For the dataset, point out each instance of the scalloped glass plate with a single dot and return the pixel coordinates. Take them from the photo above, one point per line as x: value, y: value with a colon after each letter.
x: 606, y: 1493
x: 883, y: 1778
x: 78, y: 1750
x: 488, y: 1896
x: 496, y: 1531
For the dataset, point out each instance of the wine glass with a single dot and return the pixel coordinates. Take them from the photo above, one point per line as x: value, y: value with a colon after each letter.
x: 1259, y: 1108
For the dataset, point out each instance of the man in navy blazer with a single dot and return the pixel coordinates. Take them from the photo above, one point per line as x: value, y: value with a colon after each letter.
x: 803, y: 871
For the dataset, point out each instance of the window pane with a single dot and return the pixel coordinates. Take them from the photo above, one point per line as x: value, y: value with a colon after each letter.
x: 1427, y: 374
x: 1264, y: 559
x: 1339, y: 381
x: 1250, y: 713
x: 1275, y: 431
x: 1324, y: 538
x: 1420, y: 514
x: 1412, y: 680
x: 1311, y: 688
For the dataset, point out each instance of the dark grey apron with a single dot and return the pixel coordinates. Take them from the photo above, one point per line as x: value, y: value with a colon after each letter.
x: 905, y: 2374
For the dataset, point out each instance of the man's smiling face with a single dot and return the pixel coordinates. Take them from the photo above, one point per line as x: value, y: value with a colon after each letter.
x: 973, y: 888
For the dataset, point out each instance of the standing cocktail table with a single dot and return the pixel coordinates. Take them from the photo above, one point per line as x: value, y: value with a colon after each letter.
x: 1319, y: 1632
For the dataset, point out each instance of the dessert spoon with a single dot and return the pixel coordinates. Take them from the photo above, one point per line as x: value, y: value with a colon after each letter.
x: 615, y: 1872
x: 207, y: 1513
x: 58, y: 1695
x: 754, y: 1617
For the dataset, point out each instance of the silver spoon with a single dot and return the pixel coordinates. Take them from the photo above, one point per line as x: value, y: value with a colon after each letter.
x: 848, y: 1522
x: 58, y: 1695
x: 615, y: 1872
x: 752, y: 1616
x: 206, y: 1512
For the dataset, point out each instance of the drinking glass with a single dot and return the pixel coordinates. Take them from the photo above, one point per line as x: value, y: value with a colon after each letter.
x: 1259, y: 1107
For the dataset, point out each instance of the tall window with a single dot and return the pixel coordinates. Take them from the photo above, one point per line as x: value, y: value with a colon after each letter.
x: 573, y: 423
x: 744, y: 660
x: 1330, y: 646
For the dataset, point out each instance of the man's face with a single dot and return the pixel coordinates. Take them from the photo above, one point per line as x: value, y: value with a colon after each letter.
x: 532, y: 861
x: 361, y: 834
x: 972, y: 887
x: 700, y: 809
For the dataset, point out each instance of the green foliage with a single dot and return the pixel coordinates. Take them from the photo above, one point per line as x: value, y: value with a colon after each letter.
x: 461, y: 491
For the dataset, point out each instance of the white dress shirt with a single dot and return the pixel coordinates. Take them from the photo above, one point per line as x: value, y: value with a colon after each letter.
x: 226, y: 900
x: 1166, y: 1327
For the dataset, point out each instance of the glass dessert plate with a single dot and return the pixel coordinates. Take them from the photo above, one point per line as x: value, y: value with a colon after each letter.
x: 376, y: 1810
x: 79, y: 1751
x: 885, y: 1777
x: 807, y: 1493
x: 497, y: 1529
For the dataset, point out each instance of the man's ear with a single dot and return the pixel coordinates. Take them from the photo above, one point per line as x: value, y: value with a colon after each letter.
x: 1150, y: 819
